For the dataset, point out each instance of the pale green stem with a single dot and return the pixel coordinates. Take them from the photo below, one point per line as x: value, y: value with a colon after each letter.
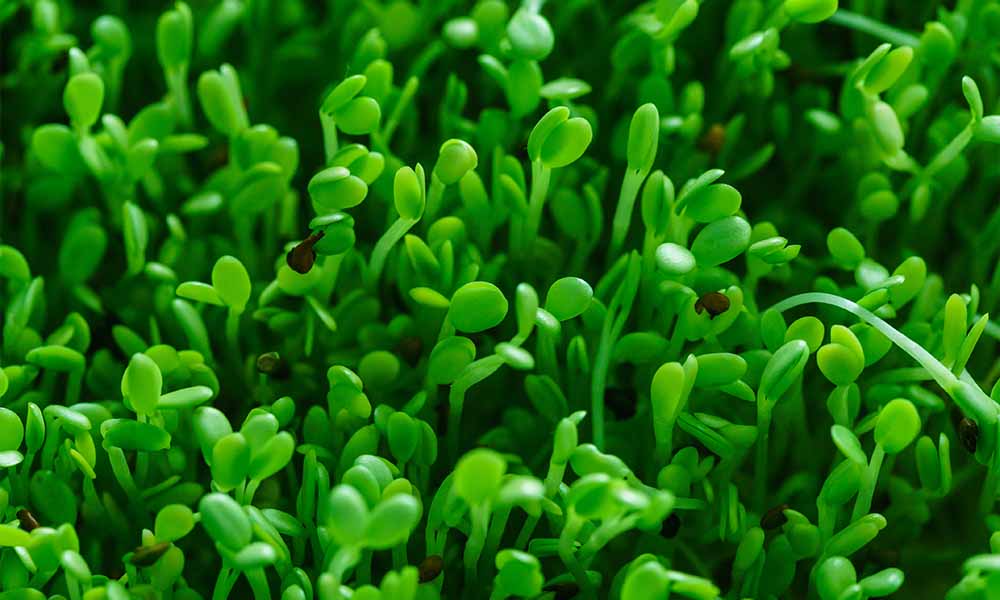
x: 874, y: 28
x: 540, y: 176
x: 479, y: 516
x: 435, y: 197
x: 177, y: 84
x: 498, y: 524
x: 405, y: 97
x: 381, y: 252
x: 258, y: 583
x: 863, y: 503
x: 567, y: 551
x: 329, y: 136
x: 623, y: 213
x: 760, y: 464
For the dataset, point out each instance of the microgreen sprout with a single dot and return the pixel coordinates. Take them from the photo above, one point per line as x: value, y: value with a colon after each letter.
x: 451, y: 360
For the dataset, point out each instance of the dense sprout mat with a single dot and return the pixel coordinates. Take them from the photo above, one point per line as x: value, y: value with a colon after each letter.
x: 420, y: 299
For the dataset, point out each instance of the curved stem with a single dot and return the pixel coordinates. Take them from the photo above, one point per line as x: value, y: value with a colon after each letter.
x: 941, y: 374
x: 874, y: 28
x: 385, y: 243
x: 623, y: 212
x: 540, y: 176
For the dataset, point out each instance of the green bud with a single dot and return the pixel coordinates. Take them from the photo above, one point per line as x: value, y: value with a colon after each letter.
x: 530, y: 35
x: 834, y: 575
x: 409, y: 192
x: 887, y: 71
x: 565, y: 143
x: 358, y: 116
x: 225, y: 521
x: 784, y: 368
x: 568, y: 298
x: 82, y: 99
x: 643, y: 137
x: 230, y: 461
x: 898, y: 425
x: 455, y: 159
x: 174, y: 37
x: 142, y: 384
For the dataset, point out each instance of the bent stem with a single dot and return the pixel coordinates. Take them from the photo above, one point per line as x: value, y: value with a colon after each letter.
x: 567, y: 539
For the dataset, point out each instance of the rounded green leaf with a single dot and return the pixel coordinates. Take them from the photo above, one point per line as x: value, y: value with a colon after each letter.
x: 543, y: 128
x: 783, y: 368
x: 11, y: 430
x: 230, y: 461
x: 530, y: 35
x: 810, y: 11
x: 408, y: 193
x: 392, y: 521
x: 133, y: 435
x: 56, y: 147
x: 568, y: 297
x: 898, y: 425
x: 173, y: 522
x: 848, y: 444
x: 336, y: 189
x: 231, y: 280
x: 358, y: 116
x: 225, y: 521
x: 455, y: 159
x: 721, y: 241
x: 478, y: 475
x: 449, y: 358
x: 272, y: 456
x: 477, y: 306
x: 82, y: 99
x: 142, y: 384
x: 346, y: 515
x: 566, y: 143
x: 713, y: 202
x: 643, y: 138
x: 674, y: 259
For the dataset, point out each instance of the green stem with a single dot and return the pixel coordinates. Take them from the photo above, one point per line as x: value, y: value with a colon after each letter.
x: 941, y: 374
x: 567, y: 552
x: 435, y: 197
x: 405, y: 97
x: 258, y: 583
x: 760, y: 463
x: 177, y: 84
x: 329, y: 136
x: 874, y: 28
x: 540, y: 177
x: 863, y: 503
x: 385, y: 243
x: 623, y: 213
x: 479, y: 515
x: 498, y: 524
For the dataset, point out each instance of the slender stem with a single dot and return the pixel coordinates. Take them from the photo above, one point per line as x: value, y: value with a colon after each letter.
x: 863, y: 503
x: 405, y: 97
x: 567, y: 553
x: 623, y: 213
x: 874, y: 28
x: 479, y: 515
x: 258, y: 583
x: 399, y: 559
x: 177, y: 84
x: 435, y: 197
x: 498, y: 524
x: 381, y: 252
x: 329, y: 136
x: 760, y: 463
x: 540, y: 176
